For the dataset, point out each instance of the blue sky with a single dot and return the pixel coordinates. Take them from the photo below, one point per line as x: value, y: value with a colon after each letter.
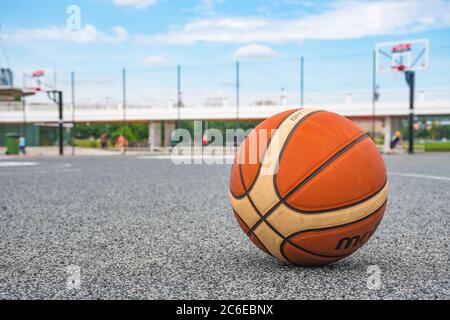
x: 150, y: 37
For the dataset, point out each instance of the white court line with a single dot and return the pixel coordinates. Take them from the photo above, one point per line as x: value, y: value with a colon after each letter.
x: 17, y: 164
x: 39, y: 171
x: 416, y: 175
x: 170, y: 157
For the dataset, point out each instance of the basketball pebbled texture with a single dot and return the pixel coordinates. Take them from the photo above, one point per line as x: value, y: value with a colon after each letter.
x: 308, y: 186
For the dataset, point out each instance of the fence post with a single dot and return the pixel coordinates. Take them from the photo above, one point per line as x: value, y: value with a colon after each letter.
x: 374, y: 93
x: 302, y: 88
x: 177, y: 126
x: 72, y: 83
x: 124, y: 101
x: 237, y: 94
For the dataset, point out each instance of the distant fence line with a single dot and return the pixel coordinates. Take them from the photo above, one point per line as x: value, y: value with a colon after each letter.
x: 265, y: 99
x: 329, y: 79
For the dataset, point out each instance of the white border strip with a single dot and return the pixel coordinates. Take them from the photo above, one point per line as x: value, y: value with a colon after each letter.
x: 416, y: 175
x: 8, y: 164
x: 175, y: 157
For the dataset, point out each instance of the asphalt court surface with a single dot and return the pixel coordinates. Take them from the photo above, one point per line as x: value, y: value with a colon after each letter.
x: 147, y: 228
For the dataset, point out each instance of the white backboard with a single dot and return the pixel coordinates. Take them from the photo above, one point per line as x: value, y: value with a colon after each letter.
x: 44, y: 82
x: 407, y: 55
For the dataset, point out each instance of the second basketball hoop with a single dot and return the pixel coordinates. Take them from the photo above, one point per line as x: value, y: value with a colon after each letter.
x: 409, y: 55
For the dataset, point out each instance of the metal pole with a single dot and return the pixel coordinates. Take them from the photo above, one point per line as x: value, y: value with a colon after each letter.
x: 57, y: 97
x: 61, y: 123
x: 24, y: 103
x: 124, y: 101
x: 54, y: 78
x: 374, y: 93
x: 72, y: 81
x: 177, y: 125
x: 302, y: 70
x: 24, y: 117
x: 410, y: 80
x: 237, y: 94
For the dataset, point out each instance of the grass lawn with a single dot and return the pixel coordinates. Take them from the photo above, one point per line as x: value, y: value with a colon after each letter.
x: 437, y: 146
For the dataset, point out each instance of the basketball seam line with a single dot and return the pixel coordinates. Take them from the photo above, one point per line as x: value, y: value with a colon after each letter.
x: 304, y: 181
x: 331, y: 209
x: 268, y: 144
x: 287, y: 240
x: 247, y: 195
x: 259, y: 166
x: 341, y: 225
x: 285, y: 143
x: 301, y: 184
x: 254, y: 207
x: 243, y: 222
x: 261, y: 216
x: 337, y: 208
x: 315, y: 173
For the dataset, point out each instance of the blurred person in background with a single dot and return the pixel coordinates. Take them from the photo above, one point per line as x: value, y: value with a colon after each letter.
x: 22, y: 144
x: 396, y: 139
x: 104, y: 140
x: 121, y: 142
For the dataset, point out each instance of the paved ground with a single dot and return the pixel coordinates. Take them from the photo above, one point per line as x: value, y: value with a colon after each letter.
x: 146, y: 228
x: 68, y: 150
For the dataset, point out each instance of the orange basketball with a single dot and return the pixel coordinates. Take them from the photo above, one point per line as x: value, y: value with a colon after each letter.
x: 308, y: 186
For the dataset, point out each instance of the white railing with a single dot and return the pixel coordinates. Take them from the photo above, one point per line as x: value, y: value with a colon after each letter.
x: 358, y: 103
x: 11, y: 106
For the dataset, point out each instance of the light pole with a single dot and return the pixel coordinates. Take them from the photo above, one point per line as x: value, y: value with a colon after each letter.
x: 410, y: 80
x: 57, y: 97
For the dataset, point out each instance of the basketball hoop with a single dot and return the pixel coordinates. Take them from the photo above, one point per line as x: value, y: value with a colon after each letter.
x: 406, y: 57
x: 411, y: 55
x: 400, y: 67
x: 401, y: 47
x: 37, y: 73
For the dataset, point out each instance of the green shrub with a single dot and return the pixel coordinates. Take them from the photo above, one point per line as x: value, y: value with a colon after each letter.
x: 87, y: 143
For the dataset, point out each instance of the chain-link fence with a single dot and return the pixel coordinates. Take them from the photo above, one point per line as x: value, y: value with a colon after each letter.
x: 99, y: 103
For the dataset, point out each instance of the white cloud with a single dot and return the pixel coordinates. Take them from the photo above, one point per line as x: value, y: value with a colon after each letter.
x: 138, y: 4
x: 226, y: 23
x: 120, y: 34
x: 153, y: 61
x: 206, y: 7
x: 305, y: 3
x: 339, y: 20
x: 87, y: 34
x: 254, y: 51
